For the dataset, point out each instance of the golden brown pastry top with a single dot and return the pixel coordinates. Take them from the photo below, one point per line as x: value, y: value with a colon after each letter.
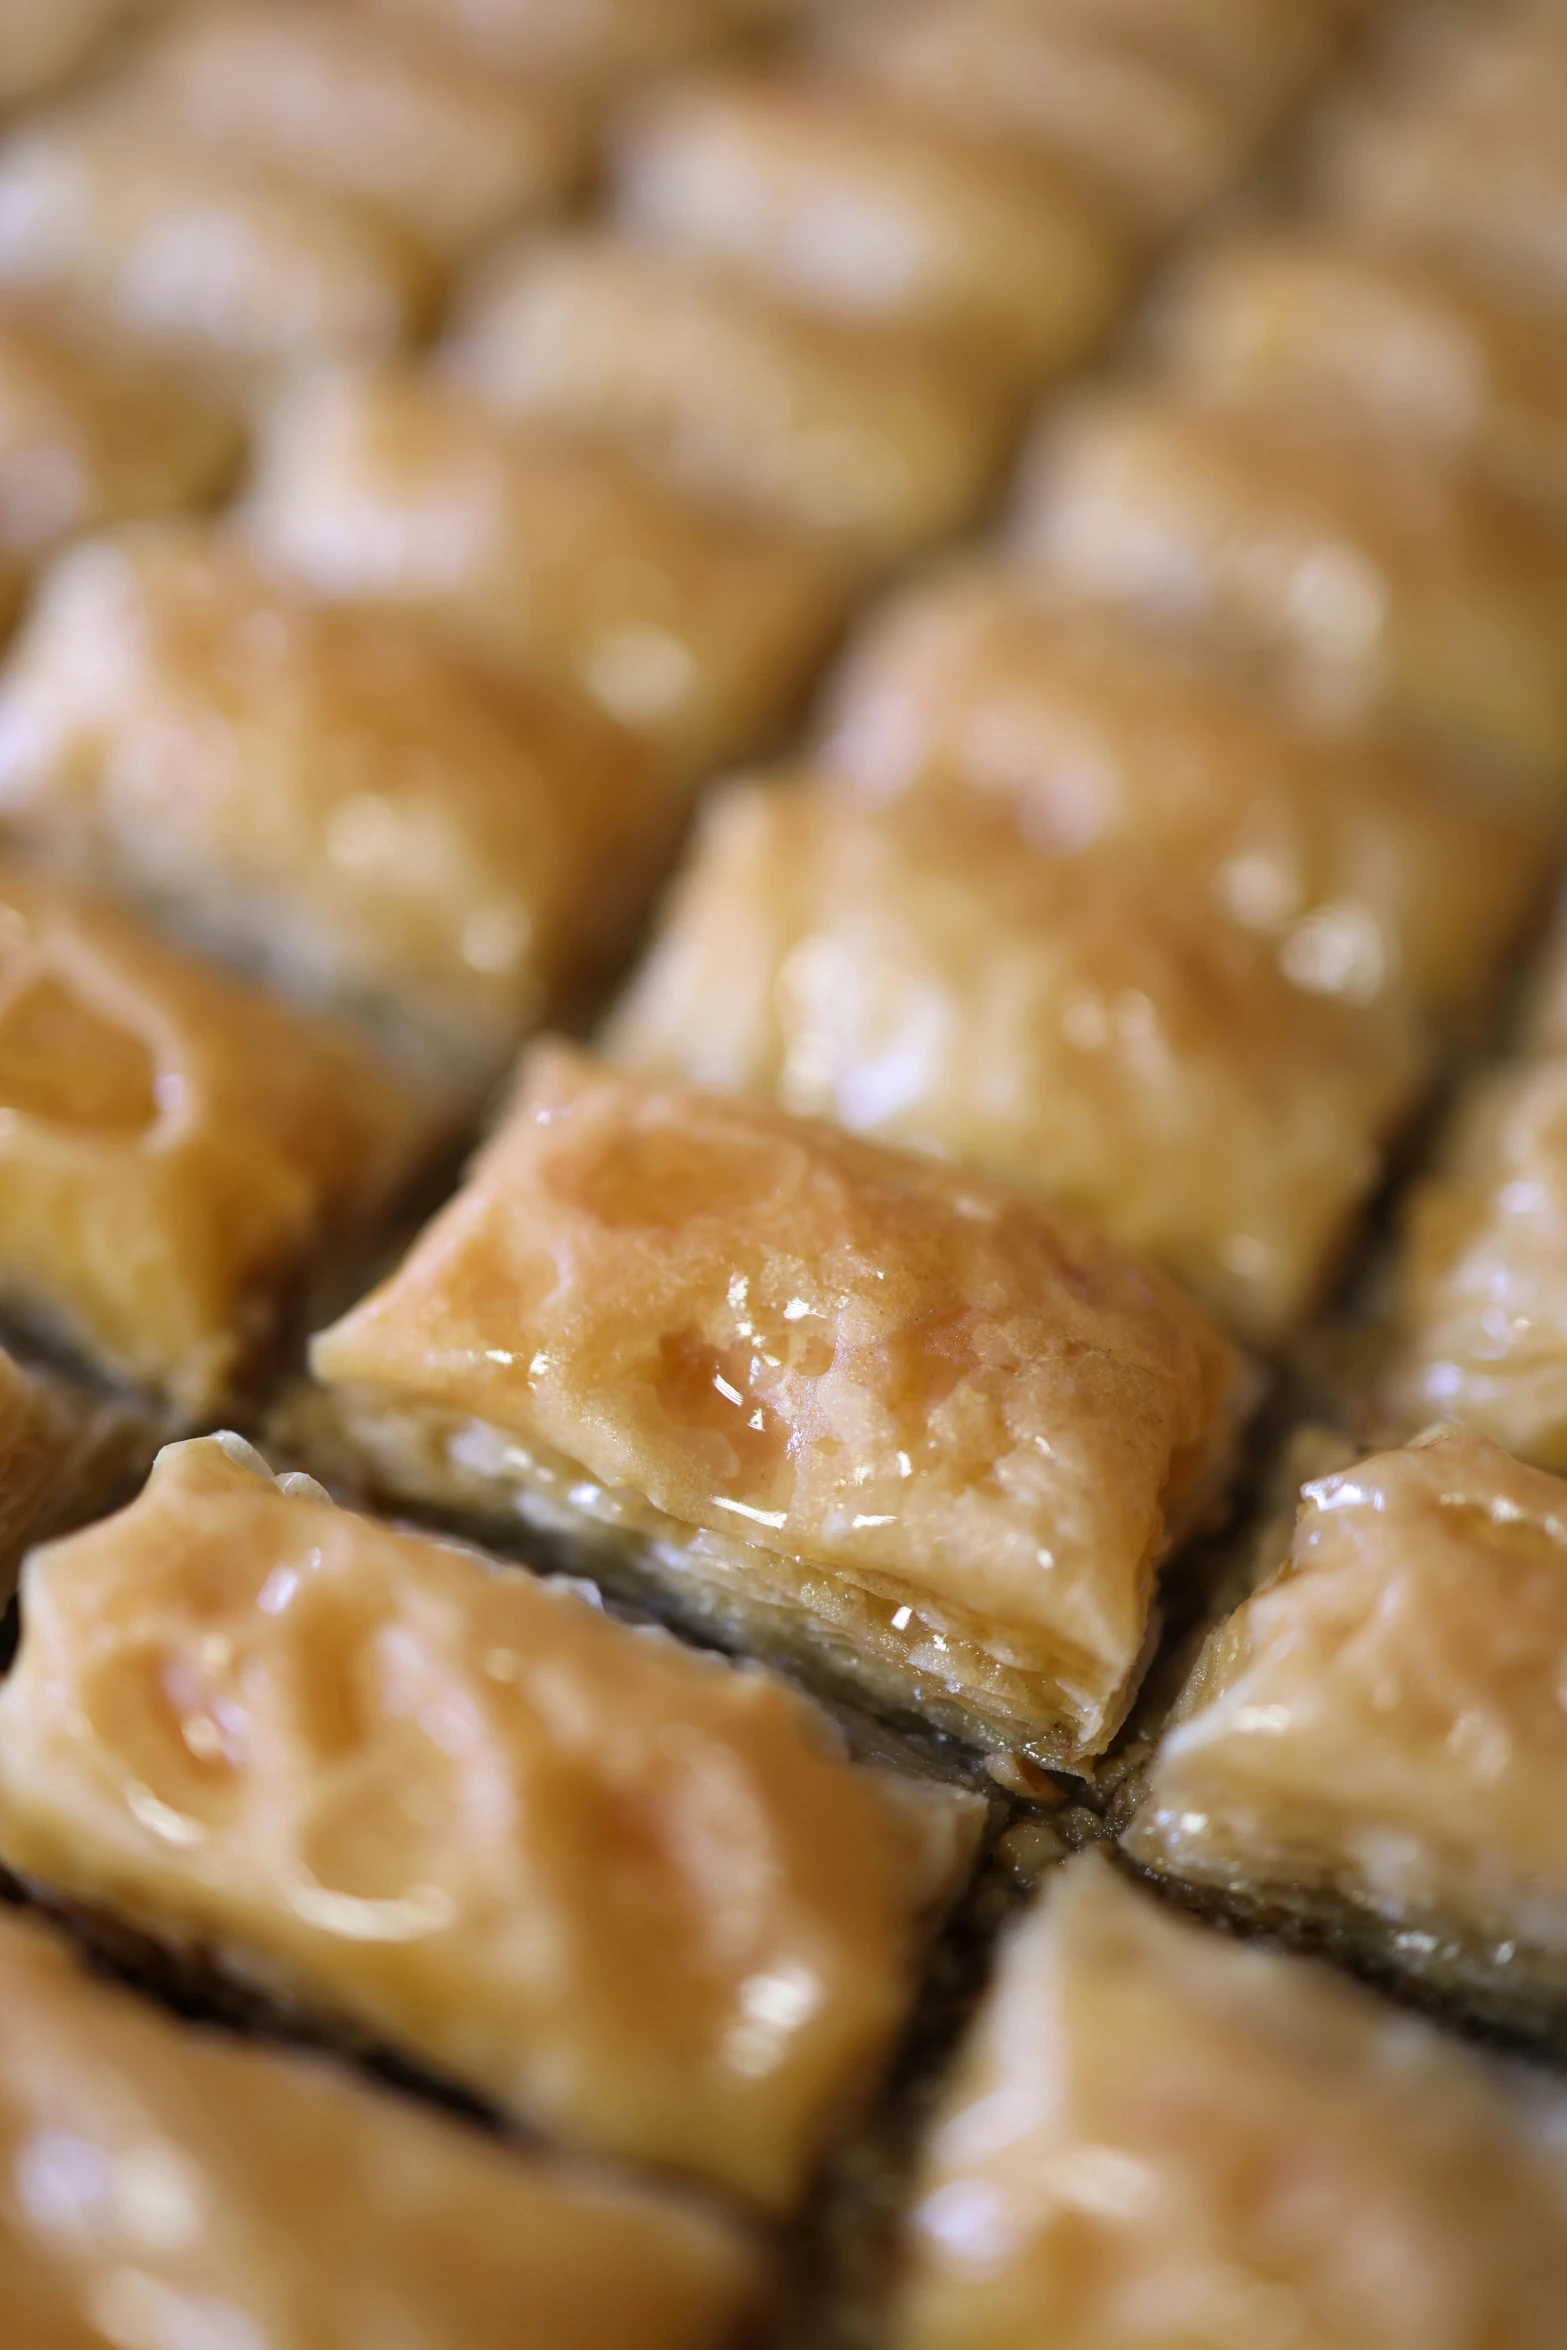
x: 868, y: 1361
x: 198, y: 250
x: 1079, y: 1026
x: 1375, y: 576
x: 633, y: 1894
x: 1371, y: 871
x: 850, y: 204
x: 866, y: 435
x: 445, y: 146
x: 333, y: 793
x: 165, y: 2185
x: 174, y: 1146
x: 1158, y: 2138
x: 1388, y: 1710
x: 695, y: 629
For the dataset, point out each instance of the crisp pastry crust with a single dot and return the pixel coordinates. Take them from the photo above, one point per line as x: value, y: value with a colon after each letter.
x: 1398, y: 337
x: 1074, y: 1025
x: 632, y: 1895
x: 1480, y: 1329
x: 446, y: 147
x: 951, y: 1431
x: 1158, y: 2139
x: 695, y: 629
x: 175, y: 1147
x: 855, y: 206
x: 1359, y: 857
x: 1376, y: 577
x: 197, y: 251
x: 333, y: 795
x: 1375, y: 1743
x: 166, y: 2185
x: 872, y: 438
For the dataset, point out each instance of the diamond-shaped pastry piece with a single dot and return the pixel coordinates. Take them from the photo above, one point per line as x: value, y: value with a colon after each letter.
x: 630, y: 1894
x: 866, y: 1411
x: 1375, y: 1745
x: 167, y: 2184
x: 1370, y: 573
x: 1157, y: 2139
x: 176, y: 1149
x: 334, y: 795
x: 1373, y: 873
x: 696, y: 629
x: 1083, y: 1027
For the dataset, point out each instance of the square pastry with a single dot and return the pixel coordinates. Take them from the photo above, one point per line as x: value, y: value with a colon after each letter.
x: 199, y: 251
x: 860, y: 207
x: 1159, y: 2140
x: 870, y: 437
x: 1374, y: 1747
x: 852, y: 1408
x: 627, y: 1893
x: 176, y: 1149
x: 1369, y: 867
x: 331, y: 794
x: 1083, y: 1027
x: 1369, y: 572
x: 171, y: 2186
x: 696, y: 629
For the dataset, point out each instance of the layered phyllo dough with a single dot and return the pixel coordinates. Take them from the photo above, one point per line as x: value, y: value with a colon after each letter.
x: 176, y: 1148
x: 1393, y: 335
x: 199, y: 251
x: 1082, y: 1026
x: 331, y: 794
x: 873, y: 438
x: 166, y: 2185
x: 1374, y: 576
x: 696, y: 629
x: 1157, y: 2139
x: 1374, y: 1747
x: 849, y: 203
x: 1358, y: 857
x: 850, y: 1407
x: 444, y: 146
x: 627, y: 1893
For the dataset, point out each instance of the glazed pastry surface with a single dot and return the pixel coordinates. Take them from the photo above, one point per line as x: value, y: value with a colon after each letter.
x: 170, y: 2185
x: 333, y: 794
x: 866, y: 1367
x: 1075, y: 1025
x: 1158, y: 2139
x: 176, y: 1147
x: 1356, y: 855
x: 633, y: 1895
x: 697, y: 630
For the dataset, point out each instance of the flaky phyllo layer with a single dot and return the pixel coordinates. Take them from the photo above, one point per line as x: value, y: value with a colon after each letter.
x: 915, y: 1424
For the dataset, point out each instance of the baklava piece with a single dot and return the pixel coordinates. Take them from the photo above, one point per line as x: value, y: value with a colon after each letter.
x: 1370, y: 869
x: 853, y: 1408
x: 1082, y: 1027
x: 167, y: 2186
x: 1374, y: 1748
x: 851, y: 204
x: 1480, y: 1324
x: 175, y: 1148
x: 329, y: 794
x: 197, y: 251
x: 1373, y: 576
x: 1413, y: 344
x: 447, y: 148
x: 1159, y: 2140
x: 872, y: 438
x: 627, y: 1893
x: 698, y: 630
